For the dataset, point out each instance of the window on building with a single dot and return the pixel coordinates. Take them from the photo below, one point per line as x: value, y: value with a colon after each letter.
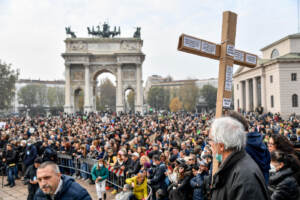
x: 294, y: 100
x: 274, y: 54
x: 272, y: 101
x: 271, y: 79
x: 294, y: 76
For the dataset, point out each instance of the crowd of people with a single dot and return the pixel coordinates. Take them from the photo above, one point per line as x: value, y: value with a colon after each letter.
x: 178, y: 155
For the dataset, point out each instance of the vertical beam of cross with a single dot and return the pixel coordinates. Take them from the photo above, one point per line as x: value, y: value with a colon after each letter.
x: 226, y: 61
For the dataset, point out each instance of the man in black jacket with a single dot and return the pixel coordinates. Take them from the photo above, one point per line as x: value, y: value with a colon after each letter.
x: 136, y: 166
x: 30, y: 178
x: 10, y: 161
x: 238, y: 176
x: 156, y: 181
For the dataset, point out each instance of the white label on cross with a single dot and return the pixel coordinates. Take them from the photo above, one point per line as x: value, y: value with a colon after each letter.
x: 208, y: 48
x: 191, y: 43
x: 230, y: 50
x: 251, y: 59
x: 239, y: 56
x: 228, y: 78
x: 226, y: 102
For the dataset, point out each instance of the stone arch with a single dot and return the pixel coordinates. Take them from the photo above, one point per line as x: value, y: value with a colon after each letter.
x: 122, y: 57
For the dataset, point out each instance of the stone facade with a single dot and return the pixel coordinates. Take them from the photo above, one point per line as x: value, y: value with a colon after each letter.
x: 86, y: 58
x: 274, y: 82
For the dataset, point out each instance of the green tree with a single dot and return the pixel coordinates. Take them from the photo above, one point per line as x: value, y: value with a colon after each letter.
x: 209, y: 93
x: 175, y: 105
x: 158, y: 98
x: 41, y: 95
x: 28, y: 95
x: 8, y: 78
x: 189, y: 94
x: 130, y: 99
x: 107, y: 95
x: 55, y: 96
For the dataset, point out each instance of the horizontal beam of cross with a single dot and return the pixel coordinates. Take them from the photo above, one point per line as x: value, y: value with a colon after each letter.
x: 208, y: 49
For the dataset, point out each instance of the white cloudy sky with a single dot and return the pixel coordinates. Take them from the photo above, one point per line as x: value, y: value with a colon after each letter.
x: 32, y: 31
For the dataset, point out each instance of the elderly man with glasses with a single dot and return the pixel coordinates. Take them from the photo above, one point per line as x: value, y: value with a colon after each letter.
x: 238, y: 176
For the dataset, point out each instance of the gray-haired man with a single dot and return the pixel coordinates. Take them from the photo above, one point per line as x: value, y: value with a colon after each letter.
x: 238, y: 176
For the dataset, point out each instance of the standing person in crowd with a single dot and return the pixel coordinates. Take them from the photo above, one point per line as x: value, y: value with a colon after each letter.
x: 139, y: 184
x: 10, y: 161
x: 255, y: 146
x: 197, y: 184
x: 53, y: 185
x: 283, y: 186
x: 238, y: 176
x: 99, y: 176
x: 136, y: 165
x: 281, y: 143
x: 157, y: 180
x: 31, y: 178
x: 30, y: 154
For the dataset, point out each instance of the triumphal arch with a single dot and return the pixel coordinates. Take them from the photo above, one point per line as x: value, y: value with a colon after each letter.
x: 86, y: 58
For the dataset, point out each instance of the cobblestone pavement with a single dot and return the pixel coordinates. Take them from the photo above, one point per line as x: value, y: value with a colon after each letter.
x: 20, y: 190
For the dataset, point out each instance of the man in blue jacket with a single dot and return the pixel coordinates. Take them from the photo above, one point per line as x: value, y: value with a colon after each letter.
x: 55, y: 186
x: 255, y: 146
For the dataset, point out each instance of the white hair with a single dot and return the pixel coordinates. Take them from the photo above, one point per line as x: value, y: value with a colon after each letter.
x: 230, y: 132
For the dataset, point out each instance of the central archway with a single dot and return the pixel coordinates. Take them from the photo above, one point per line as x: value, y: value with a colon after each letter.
x: 104, y: 91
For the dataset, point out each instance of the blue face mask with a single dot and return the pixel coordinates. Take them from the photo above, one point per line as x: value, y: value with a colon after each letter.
x: 219, y: 157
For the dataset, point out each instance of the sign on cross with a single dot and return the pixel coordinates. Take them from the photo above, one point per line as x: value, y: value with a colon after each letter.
x: 225, y: 53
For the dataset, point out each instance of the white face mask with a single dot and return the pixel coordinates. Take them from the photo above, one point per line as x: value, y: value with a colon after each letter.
x: 100, y: 165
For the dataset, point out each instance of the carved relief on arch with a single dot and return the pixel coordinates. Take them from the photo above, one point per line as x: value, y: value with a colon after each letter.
x: 76, y: 46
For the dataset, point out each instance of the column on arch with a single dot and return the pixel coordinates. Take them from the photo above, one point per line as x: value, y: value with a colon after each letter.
x: 87, y: 89
x: 255, y: 96
x: 119, y: 95
x: 242, y: 97
x: 139, y: 89
x: 68, y: 105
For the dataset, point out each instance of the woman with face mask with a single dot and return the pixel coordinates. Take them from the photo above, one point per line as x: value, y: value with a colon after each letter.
x: 282, y: 185
x: 99, y: 175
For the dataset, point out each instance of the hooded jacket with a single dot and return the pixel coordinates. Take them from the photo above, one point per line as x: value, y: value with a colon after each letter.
x: 70, y: 191
x: 259, y: 153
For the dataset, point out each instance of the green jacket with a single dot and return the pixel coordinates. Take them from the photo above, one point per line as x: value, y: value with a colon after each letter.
x: 102, y: 172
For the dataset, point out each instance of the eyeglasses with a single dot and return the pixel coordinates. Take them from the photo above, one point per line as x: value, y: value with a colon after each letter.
x: 270, y: 144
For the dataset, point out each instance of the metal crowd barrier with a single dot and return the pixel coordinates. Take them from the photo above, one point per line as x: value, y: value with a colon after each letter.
x: 74, y: 165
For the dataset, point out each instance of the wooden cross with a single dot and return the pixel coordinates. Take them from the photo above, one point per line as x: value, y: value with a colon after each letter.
x: 225, y: 53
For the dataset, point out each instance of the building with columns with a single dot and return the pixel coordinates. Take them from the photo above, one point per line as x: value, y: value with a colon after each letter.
x: 274, y: 83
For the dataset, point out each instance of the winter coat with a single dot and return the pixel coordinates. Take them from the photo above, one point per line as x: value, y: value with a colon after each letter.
x: 197, y: 185
x: 99, y: 172
x: 139, y: 191
x: 259, y: 153
x: 135, y: 168
x: 239, y: 178
x: 283, y: 186
x: 182, y: 190
x: 70, y: 191
x: 30, y: 174
x: 30, y: 155
x: 157, y: 180
x: 10, y: 157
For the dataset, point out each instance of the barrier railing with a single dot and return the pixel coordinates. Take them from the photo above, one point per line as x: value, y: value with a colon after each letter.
x: 83, y: 166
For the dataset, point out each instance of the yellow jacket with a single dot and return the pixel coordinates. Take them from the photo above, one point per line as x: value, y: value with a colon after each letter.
x: 139, y: 191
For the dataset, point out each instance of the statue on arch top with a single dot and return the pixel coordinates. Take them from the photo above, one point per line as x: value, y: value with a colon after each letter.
x: 105, y: 33
x: 70, y: 32
x: 137, y: 33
